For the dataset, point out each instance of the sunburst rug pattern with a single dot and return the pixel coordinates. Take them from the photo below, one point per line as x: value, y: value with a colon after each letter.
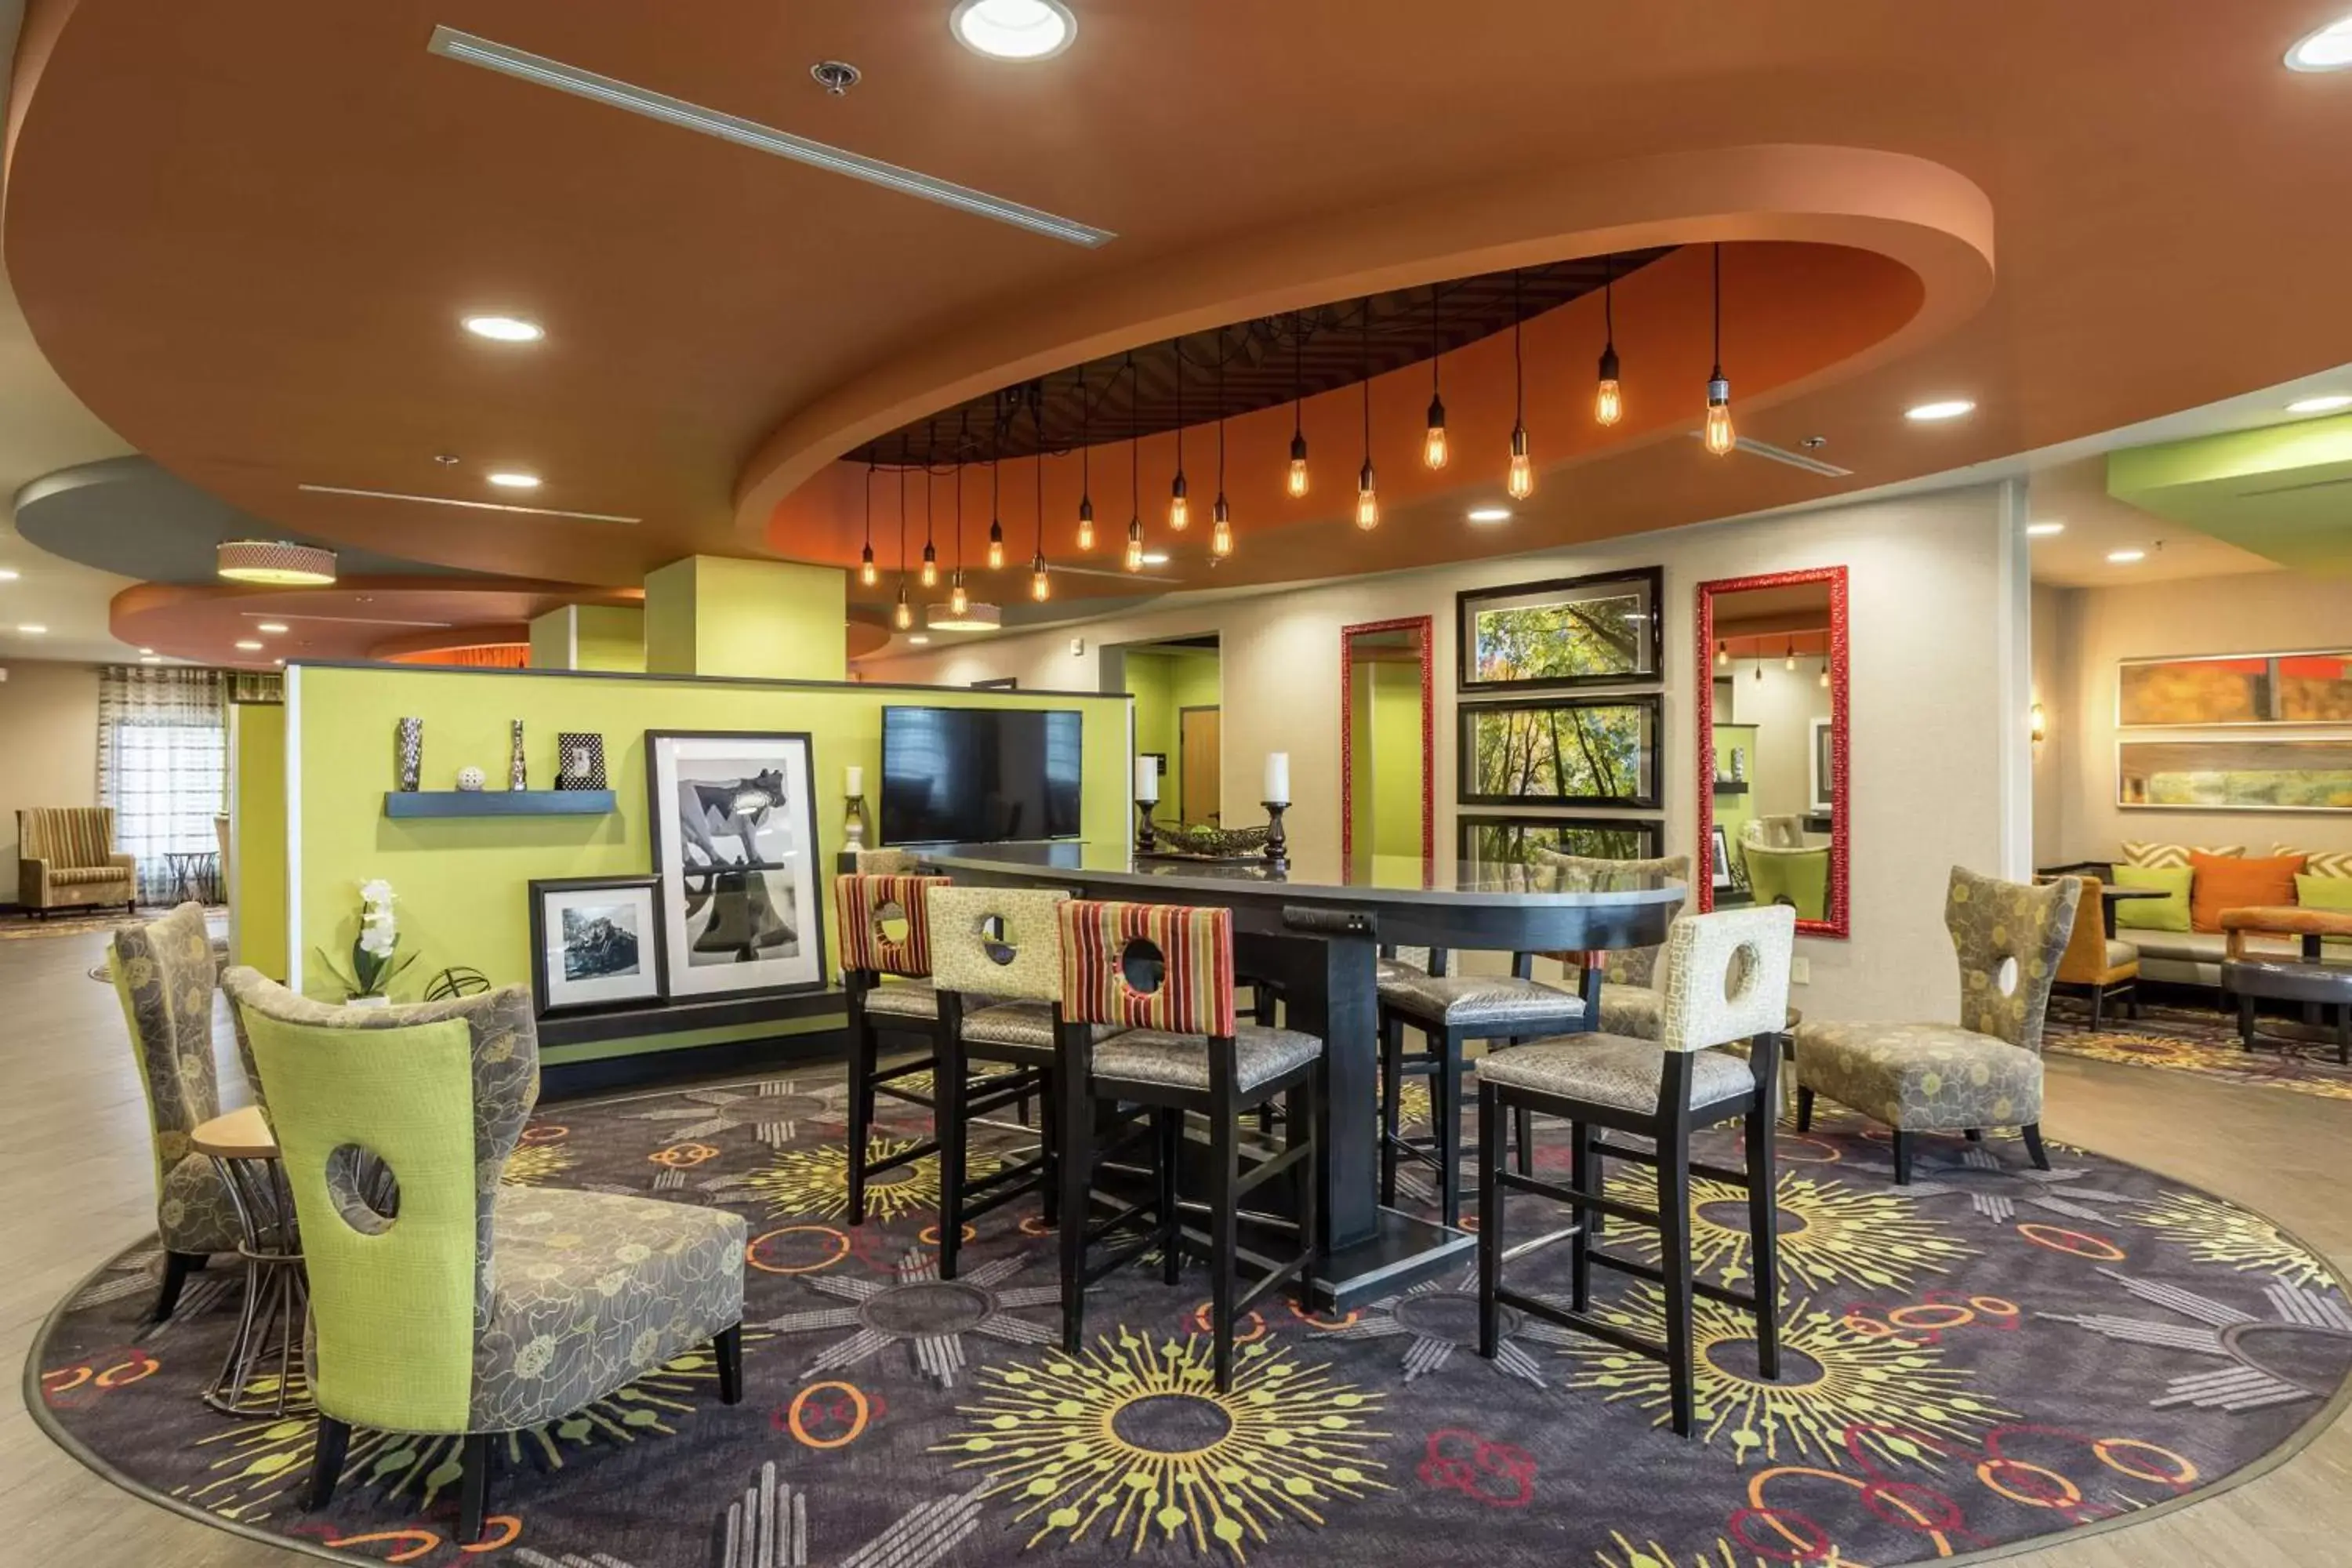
x: 2203, y: 1041
x: 1991, y: 1356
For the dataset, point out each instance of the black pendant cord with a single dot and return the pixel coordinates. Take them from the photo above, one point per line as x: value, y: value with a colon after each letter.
x: 1297, y: 376
x: 1180, y: 411
x: 1436, y: 350
x: 1718, y: 312
x: 1134, y: 445
x: 1609, y: 303
x: 1037, y: 439
x: 1220, y: 430
x: 959, y: 510
x: 1518, y: 365
x: 930, y: 465
x: 1364, y: 325
x: 869, y: 507
x: 1085, y: 440
x: 902, y: 528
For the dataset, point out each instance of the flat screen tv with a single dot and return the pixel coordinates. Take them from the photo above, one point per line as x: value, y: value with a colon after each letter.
x: 979, y: 776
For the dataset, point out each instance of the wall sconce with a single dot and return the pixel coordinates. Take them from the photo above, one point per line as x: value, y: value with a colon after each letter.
x: 2039, y: 722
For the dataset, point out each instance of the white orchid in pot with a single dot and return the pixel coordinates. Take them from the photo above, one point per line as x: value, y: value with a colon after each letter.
x: 374, y: 964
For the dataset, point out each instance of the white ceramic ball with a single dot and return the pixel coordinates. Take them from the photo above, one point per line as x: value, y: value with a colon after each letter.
x: 470, y: 778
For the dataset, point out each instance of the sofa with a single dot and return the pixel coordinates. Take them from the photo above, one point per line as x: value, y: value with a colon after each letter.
x: 66, y: 859
x: 2194, y: 957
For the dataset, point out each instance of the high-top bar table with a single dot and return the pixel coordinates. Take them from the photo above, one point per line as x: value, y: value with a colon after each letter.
x: 1312, y: 929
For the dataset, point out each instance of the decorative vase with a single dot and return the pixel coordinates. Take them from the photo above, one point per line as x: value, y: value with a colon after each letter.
x: 471, y: 780
x: 1739, y: 764
x: 516, y: 776
x: 411, y: 754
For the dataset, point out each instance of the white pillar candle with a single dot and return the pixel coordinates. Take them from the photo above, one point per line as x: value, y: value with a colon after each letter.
x: 853, y: 782
x: 1147, y: 779
x: 1277, y: 778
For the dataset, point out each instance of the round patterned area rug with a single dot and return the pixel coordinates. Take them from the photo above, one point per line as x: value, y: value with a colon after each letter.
x: 1990, y: 1356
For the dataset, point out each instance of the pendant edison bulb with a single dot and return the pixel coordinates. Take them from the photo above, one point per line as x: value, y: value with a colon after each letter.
x: 1825, y: 677
x: 1134, y: 561
x: 1608, y: 400
x: 1432, y: 447
x: 1719, y: 436
x: 996, y: 547
x: 1790, y: 662
x: 1180, y: 505
x: 1298, y: 482
x: 1521, y: 482
x: 930, y: 568
x: 1722, y: 655
x: 1041, y: 586
x: 903, y: 617
x: 1086, y: 523
x: 1368, y: 498
x: 1221, y: 536
x: 867, y: 574
x: 958, y: 600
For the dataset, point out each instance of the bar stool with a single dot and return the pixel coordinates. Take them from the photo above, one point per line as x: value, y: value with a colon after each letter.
x: 1727, y: 980
x: 996, y: 962
x: 883, y: 932
x: 1163, y: 976
x: 1450, y: 1011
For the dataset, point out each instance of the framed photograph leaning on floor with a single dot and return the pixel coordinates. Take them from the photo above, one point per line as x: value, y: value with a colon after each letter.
x: 734, y: 843
x: 595, y: 941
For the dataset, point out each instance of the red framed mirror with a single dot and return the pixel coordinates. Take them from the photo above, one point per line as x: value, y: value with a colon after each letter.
x: 1775, y: 790
x: 1386, y: 755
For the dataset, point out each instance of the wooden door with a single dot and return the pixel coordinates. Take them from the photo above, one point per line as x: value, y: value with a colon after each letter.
x: 1199, y: 747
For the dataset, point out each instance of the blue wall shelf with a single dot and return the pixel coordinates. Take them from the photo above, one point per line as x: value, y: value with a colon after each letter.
x: 499, y: 803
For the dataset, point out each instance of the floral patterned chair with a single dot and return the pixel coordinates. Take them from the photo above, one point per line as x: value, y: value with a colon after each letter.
x: 164, y: 973
x: 1984, y: 1071
x: 1630, y: 1001
x: 480, y: 1308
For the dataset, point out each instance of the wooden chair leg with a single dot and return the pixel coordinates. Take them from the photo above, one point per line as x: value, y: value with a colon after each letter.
x: 326, y: 1463
x: 861, y: 1108
x: 1902, y: 1145
x: 2032, y: 1133
x: 1490, y: 1218
x: 1804, y: 1109
x: 1584, y: 1175
x: 474, y: 1488
x: 1225, y: 1175
x: 177, y: 1267
x: 727, y: 1348
x: 1674, y: 1263
x: 1764, y: 1231
x: 1168, y: 1127
x: 1392, y: 1098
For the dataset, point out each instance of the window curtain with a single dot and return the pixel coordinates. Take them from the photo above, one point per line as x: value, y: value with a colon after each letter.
x: 162, y: 760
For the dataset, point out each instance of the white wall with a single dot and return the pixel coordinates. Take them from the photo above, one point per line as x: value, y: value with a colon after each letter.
x: 1932, y: 608
x: 1782, y: 704
x: 2261, y: 612
x: 49, y: 747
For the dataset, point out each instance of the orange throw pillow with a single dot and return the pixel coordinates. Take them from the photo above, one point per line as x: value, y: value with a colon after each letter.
x: 2230, y: 882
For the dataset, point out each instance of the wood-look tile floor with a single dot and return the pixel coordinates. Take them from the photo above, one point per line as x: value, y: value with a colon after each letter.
x: 76, y: 1186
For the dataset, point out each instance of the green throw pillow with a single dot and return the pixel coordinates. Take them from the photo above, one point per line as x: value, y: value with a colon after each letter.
x: 2321, y: 892
x: 2169, y: 912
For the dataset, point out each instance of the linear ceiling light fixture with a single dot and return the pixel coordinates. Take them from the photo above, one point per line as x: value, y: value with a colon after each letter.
x: 524, y: 66
x: 468, y: 505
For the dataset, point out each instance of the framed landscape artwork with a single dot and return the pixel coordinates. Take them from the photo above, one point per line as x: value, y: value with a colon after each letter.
x: 596, y: 942
x: 1568, y: 750
x: 2311, y: 688
x: 1566, y: 633
x: 734, y: 845
x: 1489, y: 841
x: 2235, y: 776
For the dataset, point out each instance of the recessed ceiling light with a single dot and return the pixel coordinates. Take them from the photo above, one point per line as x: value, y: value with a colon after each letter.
x: 149, y: 658
x: 515, y: 481
x: 1014, y: 29
x: 2044, y: 530
x: 248, y: 646
x: 7, y: 575
x: 1946, y: 408
x: 32, y: 631
x: 919, y: 640
x: 2328, y: 50
x: 1155, y: 558
x: 270, y: 628
x: 147, y: 650
x: 2326, y: 403
x: 505, y: 329
x: 2126, y: 557
x: 1490, y: 514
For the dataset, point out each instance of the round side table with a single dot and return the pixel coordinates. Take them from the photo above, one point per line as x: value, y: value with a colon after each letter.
x: 277, y: 1306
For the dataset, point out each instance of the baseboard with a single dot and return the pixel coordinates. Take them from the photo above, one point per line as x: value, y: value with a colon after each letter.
x: 687, y: 1065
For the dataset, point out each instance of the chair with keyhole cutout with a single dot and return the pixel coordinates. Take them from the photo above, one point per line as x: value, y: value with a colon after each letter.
x: 1727, y: 980
x: 885, y: 968
x: 1984, y: 1071
x: 443, y: 1303
x: 996, y: 959
x: 1162, y: 975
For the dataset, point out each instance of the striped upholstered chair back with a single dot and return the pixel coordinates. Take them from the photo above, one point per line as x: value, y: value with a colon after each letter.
x: 1107, y: 957
x: 871, y: 907
x: 1003, y: 944
x: 71, y: 837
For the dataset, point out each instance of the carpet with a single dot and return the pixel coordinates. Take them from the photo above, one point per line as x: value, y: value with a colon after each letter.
x: 2204, y: 1041
x: 19, y: 926
x: 1991, y: 1356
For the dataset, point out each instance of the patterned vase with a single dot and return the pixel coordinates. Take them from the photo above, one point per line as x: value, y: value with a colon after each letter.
x: 516, y: 777
x: 411, y: 754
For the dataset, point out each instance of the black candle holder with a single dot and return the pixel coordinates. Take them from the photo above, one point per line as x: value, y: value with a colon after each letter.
x: 1277, y: 849
x: 1144, y: 842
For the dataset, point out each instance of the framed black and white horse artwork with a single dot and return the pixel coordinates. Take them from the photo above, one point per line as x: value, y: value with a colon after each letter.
x: 734, y: 843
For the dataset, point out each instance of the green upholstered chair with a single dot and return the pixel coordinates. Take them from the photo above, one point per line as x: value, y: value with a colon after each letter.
x: 1782, y: 869
x: 1984, y: 1070
x: 164, y: 971
x: 471, y: 1309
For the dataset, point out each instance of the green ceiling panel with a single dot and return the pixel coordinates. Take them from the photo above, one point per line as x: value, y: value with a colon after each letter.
x: 2284, y: 492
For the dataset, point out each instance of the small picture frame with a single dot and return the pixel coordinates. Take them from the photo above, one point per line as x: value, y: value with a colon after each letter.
x: 596, y: 943
x: 1721, y: 859
x: 579, y: 760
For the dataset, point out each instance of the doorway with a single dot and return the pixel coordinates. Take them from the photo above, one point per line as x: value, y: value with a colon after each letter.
x: 1385, y: 746
x: 1178, y: 687
x: 1199, y: 758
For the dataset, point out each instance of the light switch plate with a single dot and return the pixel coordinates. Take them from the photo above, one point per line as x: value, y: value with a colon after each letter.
x: 1801, y: 972
x: 1078, y: 648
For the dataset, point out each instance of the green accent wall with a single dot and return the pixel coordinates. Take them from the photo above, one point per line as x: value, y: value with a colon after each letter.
x: 1163, y: 686
x: 1733, y: 810
x: 2277, y: 491
x: 462, y: 881
x: 606, y: 637
x: 764, y: 620
x: 257, y: 868
x: 1395, y: 771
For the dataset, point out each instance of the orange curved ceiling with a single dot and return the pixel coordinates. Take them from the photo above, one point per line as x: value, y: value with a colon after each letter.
x: 245, y: 238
